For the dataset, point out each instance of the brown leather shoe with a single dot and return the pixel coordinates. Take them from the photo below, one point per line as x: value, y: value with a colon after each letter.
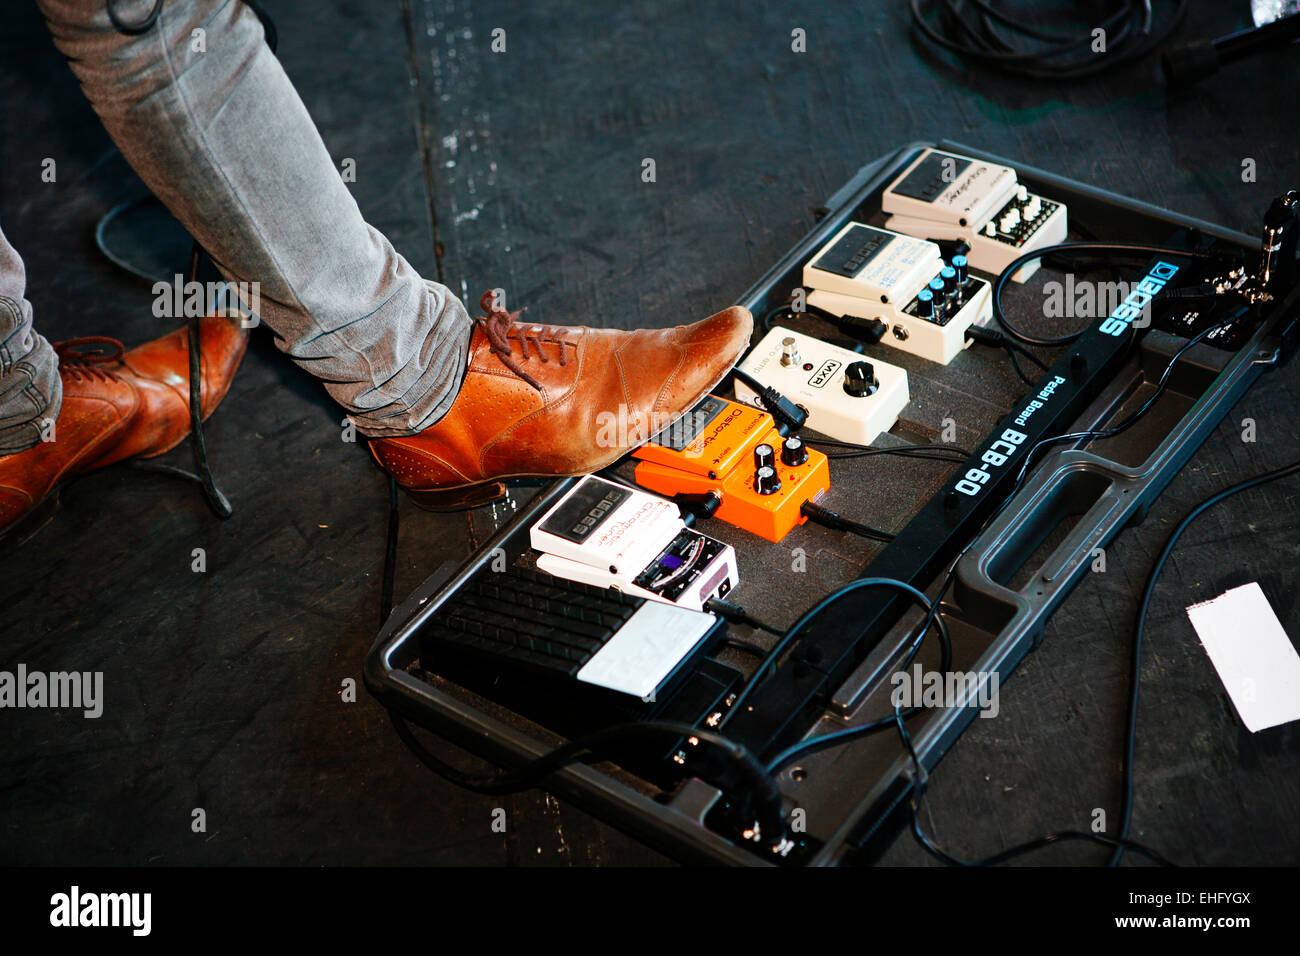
x: 542, y: 400
x: 119, y: 405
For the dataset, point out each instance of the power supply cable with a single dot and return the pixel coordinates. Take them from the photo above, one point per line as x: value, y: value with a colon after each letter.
x: 1118, y: 249
x: 985, y: 33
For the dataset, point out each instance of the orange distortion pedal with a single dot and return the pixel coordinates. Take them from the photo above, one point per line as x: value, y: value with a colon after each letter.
x: 736, y: 452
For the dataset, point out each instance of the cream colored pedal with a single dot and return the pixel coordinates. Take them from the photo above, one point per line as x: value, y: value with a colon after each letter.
x: 865, y: 273
x: 848, y: 396
x: 945, y: 195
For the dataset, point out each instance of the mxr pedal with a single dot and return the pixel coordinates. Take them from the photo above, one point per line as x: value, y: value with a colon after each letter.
x: 737, y: 452
x: 865, y: 273
x: 947, y: 196
x: 848, y: 396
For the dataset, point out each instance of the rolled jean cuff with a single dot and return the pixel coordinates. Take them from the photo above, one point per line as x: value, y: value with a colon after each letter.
x: 31, y: 392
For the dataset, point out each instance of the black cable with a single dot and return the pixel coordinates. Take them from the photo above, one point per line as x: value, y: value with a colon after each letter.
x: 216, y: 500
x: 1015, y: 364
x: 745, y: 647
x: 825, y: 741
x: 1122, y: 842
x: 1095, y: 434
x: 948, y: 453
x: 760, y: 785
x: 1121, y: 248
x: 765, y: 320
x: 736, y: 613
x: 917, y: 792
x: 1135, y: 671
x: 980, y: 33
x: 830, y: 519
x: 915, y: 595
x: 1013, y: 346
x: 788, y: 416
x: 996, y: 339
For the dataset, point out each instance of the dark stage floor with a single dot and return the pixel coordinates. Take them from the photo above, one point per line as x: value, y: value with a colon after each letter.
x: 521, y: 170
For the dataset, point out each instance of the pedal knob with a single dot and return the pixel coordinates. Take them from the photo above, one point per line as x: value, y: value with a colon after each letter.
x: 766, y: 481
x: 764, y: 456
x: 793, y: 452
x: 960, y: 265
x: 948, y: 276
x: 925, y: 304
x: 860, y: 379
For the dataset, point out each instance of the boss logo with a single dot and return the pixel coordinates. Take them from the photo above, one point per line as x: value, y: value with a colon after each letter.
x: 824, y: 374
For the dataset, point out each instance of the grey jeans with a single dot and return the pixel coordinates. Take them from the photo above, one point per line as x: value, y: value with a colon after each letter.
x: 219, y: 134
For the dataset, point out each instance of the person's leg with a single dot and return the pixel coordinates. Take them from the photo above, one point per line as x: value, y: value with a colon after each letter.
x: 205, y: 114
x: 30, y: 391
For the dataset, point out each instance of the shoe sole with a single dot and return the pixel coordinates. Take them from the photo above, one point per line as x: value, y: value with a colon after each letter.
x: 480, y: 493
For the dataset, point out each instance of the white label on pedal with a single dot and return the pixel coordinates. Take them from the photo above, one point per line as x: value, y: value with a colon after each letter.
x: 645, y: 650
x: 1256, y: 661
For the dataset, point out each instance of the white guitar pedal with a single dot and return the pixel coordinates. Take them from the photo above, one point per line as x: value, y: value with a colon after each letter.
x: 612, y: 536
x: 848, y: 396
x: 865, y: 273
x: 946, y: 196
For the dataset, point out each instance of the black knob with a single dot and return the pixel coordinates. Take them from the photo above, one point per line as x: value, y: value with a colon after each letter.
x: 860, y: 379
x: 764, y: 456
x: 960, y: 265
x: 950, y: 286
x: 793, y: 452
x: 766, y: 480
x: 925, y: 304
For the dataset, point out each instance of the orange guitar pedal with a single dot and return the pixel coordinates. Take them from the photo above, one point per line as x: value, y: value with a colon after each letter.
x: 736, y: 451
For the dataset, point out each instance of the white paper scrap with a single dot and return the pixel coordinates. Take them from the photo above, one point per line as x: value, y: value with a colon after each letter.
x: 1255, y: 659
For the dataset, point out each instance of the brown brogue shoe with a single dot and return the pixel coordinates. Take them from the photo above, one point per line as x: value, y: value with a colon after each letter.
x: 119, y: 405
x: 542, y: 400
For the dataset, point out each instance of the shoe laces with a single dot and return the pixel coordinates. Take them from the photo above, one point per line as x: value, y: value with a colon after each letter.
x: 498, y: 325
x: 79, y: 358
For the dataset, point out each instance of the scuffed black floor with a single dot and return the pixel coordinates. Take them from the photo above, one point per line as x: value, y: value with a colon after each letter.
x: 522, y: 170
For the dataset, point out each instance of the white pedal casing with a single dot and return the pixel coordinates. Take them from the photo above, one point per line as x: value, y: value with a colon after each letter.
x: 816, y: 382
x: 911, y: 333
x: 874, y: 273
x: 610, y: 535
x: 944, y: 195
x: 868, y: 262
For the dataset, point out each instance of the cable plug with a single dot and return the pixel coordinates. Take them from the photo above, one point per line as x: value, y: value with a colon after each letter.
x: 870, y: 331
x: 978, y: 333
x: 695, y: 506
x: 789, y: 417
x: 736, y: 615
